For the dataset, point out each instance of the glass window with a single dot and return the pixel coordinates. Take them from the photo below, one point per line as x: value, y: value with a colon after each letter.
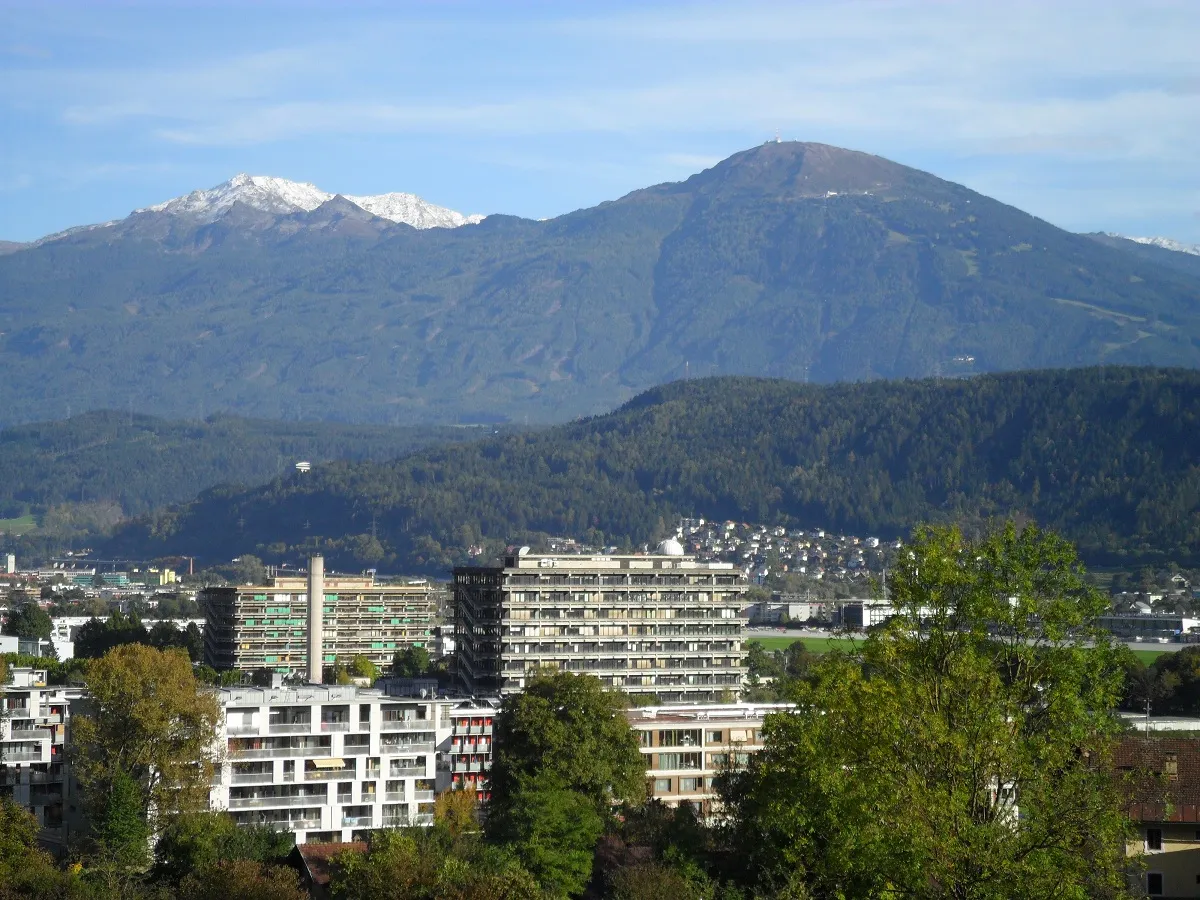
x: 662, y: 785
x: 1153, y: 838
x: 1154, y: 884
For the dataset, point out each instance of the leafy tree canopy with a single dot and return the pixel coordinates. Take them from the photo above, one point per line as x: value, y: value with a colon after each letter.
x: 147, y: 719
x: 29, y: 621
x: 965, y: 754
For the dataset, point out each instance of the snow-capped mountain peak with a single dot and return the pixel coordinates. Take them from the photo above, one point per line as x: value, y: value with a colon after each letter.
x: 1163, y: 242
x: 280, y: 196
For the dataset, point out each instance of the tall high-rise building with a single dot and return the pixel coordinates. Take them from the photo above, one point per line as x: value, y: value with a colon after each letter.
x: 662, y: 625
x: 266, y: 626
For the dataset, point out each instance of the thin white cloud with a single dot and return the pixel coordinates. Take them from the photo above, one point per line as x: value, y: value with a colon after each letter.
x: 1067, y: 82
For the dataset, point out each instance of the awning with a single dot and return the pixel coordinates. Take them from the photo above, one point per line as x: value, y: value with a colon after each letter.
x: 331, y: 763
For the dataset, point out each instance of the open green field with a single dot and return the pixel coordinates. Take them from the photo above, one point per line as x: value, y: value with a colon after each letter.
x: 814, y: 645
x: 822, y: 644
x: 1149, y: 656
x: 23, y: 524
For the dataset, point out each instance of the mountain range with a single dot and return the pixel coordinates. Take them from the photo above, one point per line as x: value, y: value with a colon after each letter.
x: 1106, y: 456
x: 794, y: 260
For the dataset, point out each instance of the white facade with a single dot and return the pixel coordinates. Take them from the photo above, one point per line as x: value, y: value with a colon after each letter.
x: 326, y: 762
x: 32, y: 731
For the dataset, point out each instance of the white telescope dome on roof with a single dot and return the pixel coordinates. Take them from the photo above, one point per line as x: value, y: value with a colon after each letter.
x: 670, y: 547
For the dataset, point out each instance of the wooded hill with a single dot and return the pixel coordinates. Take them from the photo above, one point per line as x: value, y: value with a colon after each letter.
x: 137, y: 463
x: 1108, y: 456
x: 791, y: 260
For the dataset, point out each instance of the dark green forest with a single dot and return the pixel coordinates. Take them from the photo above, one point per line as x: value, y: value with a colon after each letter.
x: 787, y: 260
x: 1107, y: 456
x: 134, y: 463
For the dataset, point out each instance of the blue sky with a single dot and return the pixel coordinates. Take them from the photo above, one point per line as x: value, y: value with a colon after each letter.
x: 1087, y: 114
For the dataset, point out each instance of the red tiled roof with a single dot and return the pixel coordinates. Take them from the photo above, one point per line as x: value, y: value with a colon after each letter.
x: 317, y: 858
x: 1158, y: 794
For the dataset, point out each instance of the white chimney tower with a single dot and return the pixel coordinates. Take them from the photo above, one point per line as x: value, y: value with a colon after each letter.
x: 316, y: 613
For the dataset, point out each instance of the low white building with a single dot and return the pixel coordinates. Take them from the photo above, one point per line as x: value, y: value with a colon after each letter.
x: 328, y: 762
x: 32, y: 733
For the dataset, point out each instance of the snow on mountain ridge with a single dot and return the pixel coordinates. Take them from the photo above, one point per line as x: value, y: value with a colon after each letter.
x: 1163, y: 242
x: 281, y: 196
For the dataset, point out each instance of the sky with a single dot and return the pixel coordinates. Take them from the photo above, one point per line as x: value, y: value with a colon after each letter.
x: 1086, y: 114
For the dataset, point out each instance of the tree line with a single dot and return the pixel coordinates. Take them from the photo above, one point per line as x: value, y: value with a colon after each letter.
x: 1104, y: 455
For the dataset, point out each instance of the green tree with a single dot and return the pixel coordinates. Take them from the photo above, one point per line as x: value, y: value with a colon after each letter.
x: 553, y: 831
x: 242, y: 879
x: 361, y: 667
x: 29, y: 621
x: 96, y: 637
x: 249, y: 569
x: 417, y: 863
x: 193, y: 841
x: 966, y: 754
x: 411, y: 662
x: 565, y: 757
x: 120, y: 829
x: 26, y: 871
x: 147, y: 719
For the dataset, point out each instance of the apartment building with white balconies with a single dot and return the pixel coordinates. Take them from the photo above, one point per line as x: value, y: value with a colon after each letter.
x: 328, y: 762
x: 32, y: 756
x: 660, y: 625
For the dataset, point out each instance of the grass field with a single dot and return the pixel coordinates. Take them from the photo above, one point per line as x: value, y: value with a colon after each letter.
x: 815, y: 645
x: 23, y: 524
x: 821, y: 644
x: 1149, y: 656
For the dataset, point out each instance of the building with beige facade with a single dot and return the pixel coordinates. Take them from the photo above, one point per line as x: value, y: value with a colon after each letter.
x: 661, y: 625
x: 685, y: 748
x: 253, y: 627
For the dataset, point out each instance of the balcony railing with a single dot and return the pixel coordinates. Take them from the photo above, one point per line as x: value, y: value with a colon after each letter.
x: 328, y: 774
x: 355, y: 821
x: 289, y: 727
x: 394, y: 796
x: 252, y: 778
x: 411, y: 747
x: 287, y: 824
x: 406, y: 725
x: 261, y: 802
x: 400, y: 771
x: 277, y: 753
x: 335, y: 726
x: 418, y: 796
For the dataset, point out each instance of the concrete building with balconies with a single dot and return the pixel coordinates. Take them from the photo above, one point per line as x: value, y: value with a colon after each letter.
x: 32, y: 758
x: 328, y: 762
x: 685, y: 748
x: 253, y: 627
x: 466, y: 756
x: 662, y: 625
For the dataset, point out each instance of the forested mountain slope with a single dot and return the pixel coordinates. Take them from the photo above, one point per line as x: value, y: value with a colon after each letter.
x: 138, y: 463
x: 793, y: 260
x: 1110, y: 456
